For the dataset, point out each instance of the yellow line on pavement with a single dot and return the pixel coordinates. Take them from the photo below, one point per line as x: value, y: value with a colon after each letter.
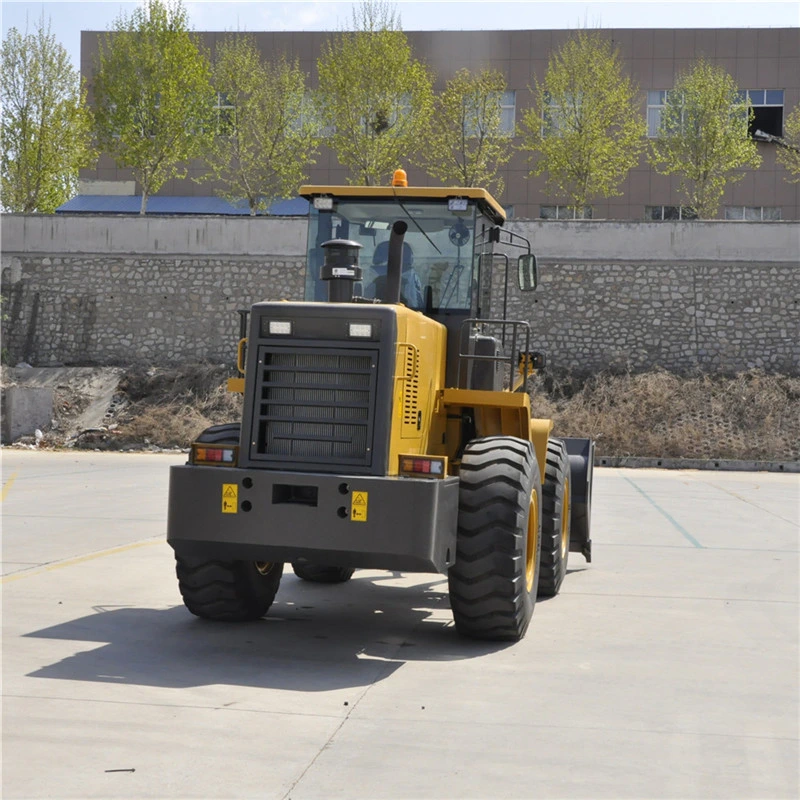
x: 7, y: 486
x: 79, y: 560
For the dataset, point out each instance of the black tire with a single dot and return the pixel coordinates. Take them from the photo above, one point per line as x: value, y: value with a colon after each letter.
x: 556, y: 519
x: 494, y: 579
x: 227, y: 591
x: 321, y: 574
x: 221, y: 434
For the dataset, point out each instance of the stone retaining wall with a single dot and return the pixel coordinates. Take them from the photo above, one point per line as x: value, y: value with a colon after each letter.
x: 107, y: 310
x: 708, y: 316
x: 112, y: 290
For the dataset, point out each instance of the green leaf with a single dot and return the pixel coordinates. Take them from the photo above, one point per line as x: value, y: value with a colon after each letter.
x: 788, y: 152
x: 467, y: 145
x: 374, y: 99
x: 153, y: 95
x: 268, y: 136
x: 46, y: 126
x: 585, y: 130
x: 703, y: 137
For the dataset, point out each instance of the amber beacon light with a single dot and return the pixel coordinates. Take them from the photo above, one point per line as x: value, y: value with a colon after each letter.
x: 399, y: 178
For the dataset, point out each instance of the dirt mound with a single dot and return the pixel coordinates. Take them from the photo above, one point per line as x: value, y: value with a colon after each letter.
x: 170, y: 407
x: 750, y: 416
x: 83, y: 397
x: 166, y: 408
x: 113, y: 409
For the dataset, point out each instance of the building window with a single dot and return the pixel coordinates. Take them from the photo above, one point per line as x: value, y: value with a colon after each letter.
x: 767, y: 105
x: 307, y: 115
x: 659, y: 213
x: 146, y: 117
x: 509, y: 211
x: 564, y: 212
x: 508, y: 112
x: 507, y: 102
x: 553, y: 118
x: 656, y: 101
x: 753, y: 213
x: 225, y: 111
x: 402, y: 110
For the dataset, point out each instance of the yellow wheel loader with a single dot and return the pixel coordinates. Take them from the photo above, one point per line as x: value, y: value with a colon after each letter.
x: 387, y: 424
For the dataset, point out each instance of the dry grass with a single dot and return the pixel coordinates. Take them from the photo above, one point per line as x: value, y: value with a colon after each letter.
x: 169, y: 407
x: 750, y: 416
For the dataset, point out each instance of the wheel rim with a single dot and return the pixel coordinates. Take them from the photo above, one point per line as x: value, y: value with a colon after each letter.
x: 565, y: 519
x: 263, y: 567
x: 532, y: 550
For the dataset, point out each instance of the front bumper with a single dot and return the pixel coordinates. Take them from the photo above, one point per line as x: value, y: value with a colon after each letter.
x: 404, y: 524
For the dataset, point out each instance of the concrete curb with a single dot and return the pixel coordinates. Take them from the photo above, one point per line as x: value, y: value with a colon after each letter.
x: 720, y: 464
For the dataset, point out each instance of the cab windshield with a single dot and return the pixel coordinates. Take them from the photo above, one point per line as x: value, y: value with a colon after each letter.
x: 438, y: 252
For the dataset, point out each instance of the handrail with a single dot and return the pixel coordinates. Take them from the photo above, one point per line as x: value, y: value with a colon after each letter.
x: 519, y: 359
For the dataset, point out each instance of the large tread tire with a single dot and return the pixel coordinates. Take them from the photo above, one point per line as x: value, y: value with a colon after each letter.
x: 227, y: 591
x: 318, y: 573
x: 494, y: 580
x: 556, y: 519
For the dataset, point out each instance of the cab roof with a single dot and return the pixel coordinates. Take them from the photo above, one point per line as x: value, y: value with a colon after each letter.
x: 486, y: 203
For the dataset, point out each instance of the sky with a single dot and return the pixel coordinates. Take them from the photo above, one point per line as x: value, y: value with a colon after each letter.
x: 69, y: 18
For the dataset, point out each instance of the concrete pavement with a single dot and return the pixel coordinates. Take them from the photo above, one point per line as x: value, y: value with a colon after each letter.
x: 668, y: 668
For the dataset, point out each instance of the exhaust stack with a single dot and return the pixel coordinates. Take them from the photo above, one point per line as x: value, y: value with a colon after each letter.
x: 394, y: 268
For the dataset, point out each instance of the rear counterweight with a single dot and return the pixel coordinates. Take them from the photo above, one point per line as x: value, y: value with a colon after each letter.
x: 402, y: 524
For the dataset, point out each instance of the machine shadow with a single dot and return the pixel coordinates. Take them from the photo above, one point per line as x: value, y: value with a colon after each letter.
x: 315, y: 638
x: 582, y: 568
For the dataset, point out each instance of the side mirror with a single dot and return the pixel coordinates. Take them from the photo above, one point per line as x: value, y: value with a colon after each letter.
x: 528, y: 272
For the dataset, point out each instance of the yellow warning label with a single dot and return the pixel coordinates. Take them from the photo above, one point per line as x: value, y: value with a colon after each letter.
x: 230, y: 498
x: 358, y: 511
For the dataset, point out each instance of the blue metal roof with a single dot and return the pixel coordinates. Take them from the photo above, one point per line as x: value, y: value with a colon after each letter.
x: 130, y: 204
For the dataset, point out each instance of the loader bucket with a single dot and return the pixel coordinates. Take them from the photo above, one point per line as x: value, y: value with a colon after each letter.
x: 581, y: 463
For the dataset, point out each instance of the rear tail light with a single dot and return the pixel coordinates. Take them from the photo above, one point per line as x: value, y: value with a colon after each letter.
x: 218, y: 455
x: 423, y: 466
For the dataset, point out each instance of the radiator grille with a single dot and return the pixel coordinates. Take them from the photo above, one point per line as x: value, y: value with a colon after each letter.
x: 410, y: 391
x: 315, y: 406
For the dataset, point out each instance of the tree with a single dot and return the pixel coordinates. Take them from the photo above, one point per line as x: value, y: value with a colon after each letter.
x: 703, y: 136
x: 467, y: 145
x: 374, y: 98
x: 265, y: 139
x: 585, y: 129
x: 46, y: 127
x: 153, y: 95
x: 789, y: 147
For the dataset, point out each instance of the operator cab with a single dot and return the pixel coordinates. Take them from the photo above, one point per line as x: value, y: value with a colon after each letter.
x: 447, y: 250
x: 447, y: 259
